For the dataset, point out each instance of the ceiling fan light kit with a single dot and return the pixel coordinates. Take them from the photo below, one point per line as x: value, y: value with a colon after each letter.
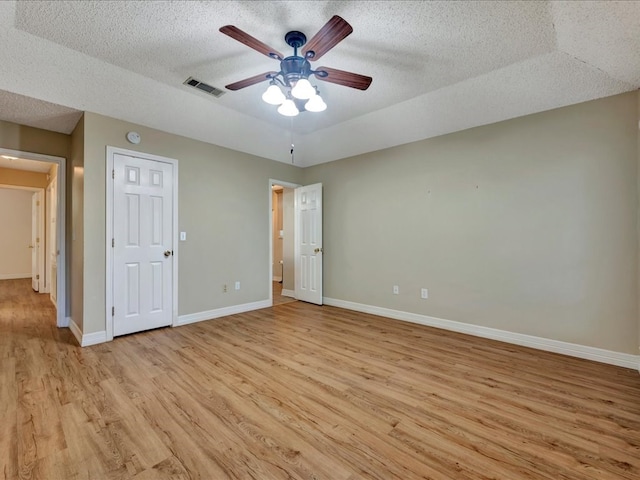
x: 303, y: 89
x: 315, y: 104
x: 273, y: 95
x: 288, y: 108
x: 295, y: 70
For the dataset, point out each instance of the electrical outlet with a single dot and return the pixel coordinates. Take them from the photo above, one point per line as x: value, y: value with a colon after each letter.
x: 424, y: 293
x: 224, y: 288
x: 237, y: 285
x: 396, y: 289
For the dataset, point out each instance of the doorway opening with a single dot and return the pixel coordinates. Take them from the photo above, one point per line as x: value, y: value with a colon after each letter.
x: 281, y: 242
x: 41, y: 178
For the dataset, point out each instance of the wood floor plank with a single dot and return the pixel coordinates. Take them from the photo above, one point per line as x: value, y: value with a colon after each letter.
x: 299, y: 391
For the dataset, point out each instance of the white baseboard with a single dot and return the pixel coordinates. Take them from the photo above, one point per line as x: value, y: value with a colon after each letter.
x: 14, y: 276
x: 94, y: 338
x: 73, y: 326
x: 277, y: 279
x: 556, y: 346
x: 221, y: 312
x: 86, y: 340
x: 288, y: 293
x: 101, y: 337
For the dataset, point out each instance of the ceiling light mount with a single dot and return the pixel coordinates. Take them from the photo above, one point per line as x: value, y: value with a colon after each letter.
x: 295, y: 40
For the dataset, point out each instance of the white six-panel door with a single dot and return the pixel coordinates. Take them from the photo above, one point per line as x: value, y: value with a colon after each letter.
x: 308, y: 255
x: 142, y: 244
x: 52, y: 247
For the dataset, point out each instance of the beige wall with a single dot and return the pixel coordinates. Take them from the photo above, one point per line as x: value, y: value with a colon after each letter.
x: 527, y: 225
x: 75, y: 225
x: 288, y: 246
x: 223, y: 207
x: 23, y: 178
x: 36, y: 140
x: 15, y: 225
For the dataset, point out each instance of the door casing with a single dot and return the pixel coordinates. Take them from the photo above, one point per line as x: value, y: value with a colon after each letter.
x: 111, y: 151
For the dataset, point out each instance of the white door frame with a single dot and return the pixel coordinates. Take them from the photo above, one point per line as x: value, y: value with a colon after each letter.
x: 273, y: 182
x: 62, y: 319
x: 111, y: 152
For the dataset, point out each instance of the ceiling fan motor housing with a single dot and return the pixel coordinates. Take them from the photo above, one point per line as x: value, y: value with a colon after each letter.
x: 294, y: 68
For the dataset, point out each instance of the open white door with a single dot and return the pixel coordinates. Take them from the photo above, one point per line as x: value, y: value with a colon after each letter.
x: 37, y: 250
x: 51, y: 259
x: 308, y: 244
x: 142, y: 244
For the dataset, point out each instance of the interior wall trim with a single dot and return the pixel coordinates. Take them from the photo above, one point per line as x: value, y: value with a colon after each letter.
x: 288, y: 293
x: 73, y: 326
x: 86, y: 340
x: 571, y: 349
x: 14, y: 276
x: 221, y: 312
x: 94, y: 338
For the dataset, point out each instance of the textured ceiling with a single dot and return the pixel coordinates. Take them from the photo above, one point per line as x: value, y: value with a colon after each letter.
x: 437, y: 67
x: 37, y: 113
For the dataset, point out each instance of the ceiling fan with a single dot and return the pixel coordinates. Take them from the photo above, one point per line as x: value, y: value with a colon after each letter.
x: 295, y: 70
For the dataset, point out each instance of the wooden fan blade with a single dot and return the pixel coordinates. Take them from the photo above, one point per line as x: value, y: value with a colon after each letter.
x: 251, y: 42
x: 333, y: 32
x: 347, y: 79
x: 247, y: 82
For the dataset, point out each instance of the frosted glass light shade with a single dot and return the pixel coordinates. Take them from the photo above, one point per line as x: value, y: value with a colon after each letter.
x: 288, y: 108
x: 315, y: 104
x: 303, y: 89
x: 273, y: 95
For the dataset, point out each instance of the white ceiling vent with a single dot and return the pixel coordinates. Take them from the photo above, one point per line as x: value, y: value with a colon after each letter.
x: 192, y: 82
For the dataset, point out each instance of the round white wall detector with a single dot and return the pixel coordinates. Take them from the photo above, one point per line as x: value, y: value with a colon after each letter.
x: 133, y: 137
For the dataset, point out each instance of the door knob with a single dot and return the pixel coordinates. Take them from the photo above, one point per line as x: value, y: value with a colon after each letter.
x: 318, y: 250
x: 167, y: 253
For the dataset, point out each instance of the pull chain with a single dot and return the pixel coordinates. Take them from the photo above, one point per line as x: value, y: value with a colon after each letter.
x: 292, y: 145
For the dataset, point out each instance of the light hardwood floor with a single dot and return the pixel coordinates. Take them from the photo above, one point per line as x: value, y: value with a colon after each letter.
x: 300, y: 391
